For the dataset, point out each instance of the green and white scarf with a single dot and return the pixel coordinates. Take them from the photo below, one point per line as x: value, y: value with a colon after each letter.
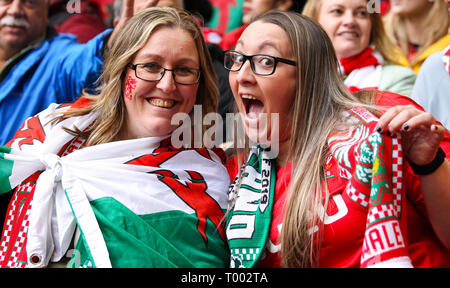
x: 248, y: 223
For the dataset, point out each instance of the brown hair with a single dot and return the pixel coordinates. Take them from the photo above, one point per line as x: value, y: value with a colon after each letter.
x: 316, y: 112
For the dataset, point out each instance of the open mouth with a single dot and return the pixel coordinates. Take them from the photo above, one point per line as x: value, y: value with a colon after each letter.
x: 162, y: 103
x: 253, y: 107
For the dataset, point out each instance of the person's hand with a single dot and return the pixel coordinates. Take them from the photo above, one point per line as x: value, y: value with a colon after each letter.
x: 420, y: 133
x: 142, y: 4
x: 130, y: 7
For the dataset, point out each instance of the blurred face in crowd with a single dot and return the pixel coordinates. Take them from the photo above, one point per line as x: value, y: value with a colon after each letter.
x: 348, y: 25
x: 21, y: 22
x: 410, y: 7
x: 150, y: 105
x: 258, y: 96
x: 253, y: 8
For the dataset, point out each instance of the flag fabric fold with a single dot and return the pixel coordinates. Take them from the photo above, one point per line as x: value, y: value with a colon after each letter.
x: 118, y: 195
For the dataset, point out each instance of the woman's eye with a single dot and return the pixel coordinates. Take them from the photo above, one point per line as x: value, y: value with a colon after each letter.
x: 152, y: 67
x: 266, y: 61
x: 336, y: 11
x: 238, y: 59
x: 184, y: 70
x: 362, y: 13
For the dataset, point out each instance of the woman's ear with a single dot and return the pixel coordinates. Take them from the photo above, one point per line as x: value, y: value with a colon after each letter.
x: 284, y: 5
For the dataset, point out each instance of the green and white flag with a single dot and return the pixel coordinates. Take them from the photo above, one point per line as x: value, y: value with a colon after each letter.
x: 136, y: 203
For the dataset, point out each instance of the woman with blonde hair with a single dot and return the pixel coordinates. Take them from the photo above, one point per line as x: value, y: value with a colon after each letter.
x: 342, y: 191
x: 104, y: 168
x: 419, y: 28
x: 367, y: 57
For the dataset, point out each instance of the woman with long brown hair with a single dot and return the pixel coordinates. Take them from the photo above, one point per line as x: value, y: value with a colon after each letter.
x: 344, y: 190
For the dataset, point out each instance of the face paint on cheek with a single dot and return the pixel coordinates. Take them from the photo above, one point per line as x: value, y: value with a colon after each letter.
x: 130, y: 85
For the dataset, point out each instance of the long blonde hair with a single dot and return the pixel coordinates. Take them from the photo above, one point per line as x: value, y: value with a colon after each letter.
x: 437, y: 24
x: 378, y: 35
x: 131, y: 38
x: 320, y: 99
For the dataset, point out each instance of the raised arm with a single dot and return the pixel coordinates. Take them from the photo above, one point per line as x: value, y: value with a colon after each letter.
x: 130, y: 7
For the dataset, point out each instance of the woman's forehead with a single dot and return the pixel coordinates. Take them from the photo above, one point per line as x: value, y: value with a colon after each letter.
x: 264, y: 36
x: 169, y: 41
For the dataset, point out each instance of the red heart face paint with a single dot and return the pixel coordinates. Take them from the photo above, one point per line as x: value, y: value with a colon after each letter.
x: 130, y: 85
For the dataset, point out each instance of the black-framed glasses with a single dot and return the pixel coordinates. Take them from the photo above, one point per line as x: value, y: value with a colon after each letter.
x: 153, y: 72
x: 261, y: 64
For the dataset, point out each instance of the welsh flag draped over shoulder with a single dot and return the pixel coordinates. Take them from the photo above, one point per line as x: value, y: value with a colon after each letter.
x: 136, y: 203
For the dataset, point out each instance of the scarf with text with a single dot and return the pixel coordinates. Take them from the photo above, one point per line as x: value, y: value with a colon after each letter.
x: 362, y: 71
x: 248, y: 222
x: 373, y: 164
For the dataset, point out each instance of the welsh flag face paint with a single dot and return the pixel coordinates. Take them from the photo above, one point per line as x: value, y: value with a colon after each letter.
x: 130, y: 86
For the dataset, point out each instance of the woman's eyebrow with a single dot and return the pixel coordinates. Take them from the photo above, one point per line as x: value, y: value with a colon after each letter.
x: 267, y: 43
x: 157, y: 57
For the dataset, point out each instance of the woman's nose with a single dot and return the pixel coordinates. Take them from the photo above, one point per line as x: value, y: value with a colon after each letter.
x: 349, y: 18
x: 245, y: 74
x: 167, y: 82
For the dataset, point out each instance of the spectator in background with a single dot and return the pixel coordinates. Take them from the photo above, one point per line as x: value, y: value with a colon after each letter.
x: 419, y: 27
x: 432, y: 87
x: 34, y: 59
x: 82, y: 19
x: 253, y: 8
x: 367, y: 57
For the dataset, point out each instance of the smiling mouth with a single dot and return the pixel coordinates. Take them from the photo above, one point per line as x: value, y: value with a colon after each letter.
x: 352, y: 34
x: 253, y: 107
x: 161, y: 103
